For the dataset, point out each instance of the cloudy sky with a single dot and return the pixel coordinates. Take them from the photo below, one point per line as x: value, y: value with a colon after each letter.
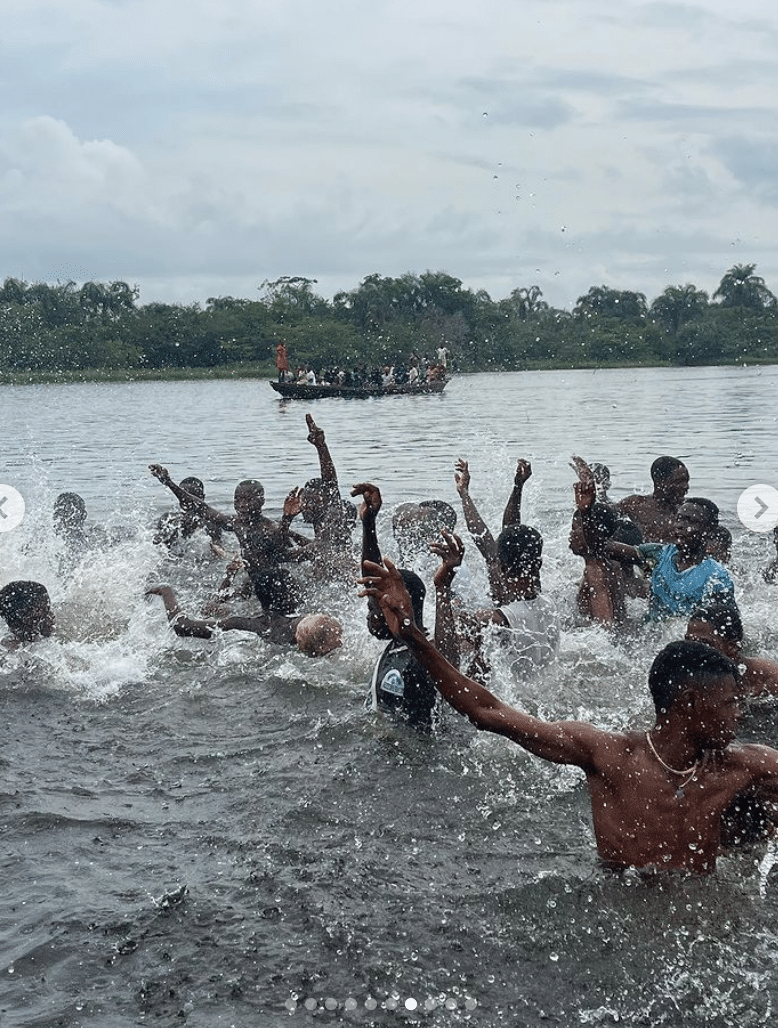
x: 199, y: 148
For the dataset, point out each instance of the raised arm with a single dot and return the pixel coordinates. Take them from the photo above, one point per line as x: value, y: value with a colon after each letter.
x: 476, y: 526
x: 451, y: 551
x: 188, y: 501
x: 326, y: 463
x: 563, y: 742
x: 512, y: 513
x: 368, y: 513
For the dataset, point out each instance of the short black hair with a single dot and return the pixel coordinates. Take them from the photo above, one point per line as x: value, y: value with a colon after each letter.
x: 70, y: 507
x: 520, y: 549
x: 681, y: 663
x: 447, y: 514
x: 16, y: 598
x: 711, y: 509
x: 663, y: 467
x: 627, y: 532
x: 724, y: 619
x: 193, y: 486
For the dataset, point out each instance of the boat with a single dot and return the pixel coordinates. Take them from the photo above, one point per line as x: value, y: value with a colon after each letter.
x: 306, y: 391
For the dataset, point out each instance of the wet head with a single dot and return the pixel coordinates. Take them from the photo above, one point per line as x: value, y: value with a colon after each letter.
x: 26, y: 608
x: 318, y: 634
x: 693, y: 682
x: 671, y: 479
x: 695, y: 520
x: 249, y: 499
x: 69, y: 513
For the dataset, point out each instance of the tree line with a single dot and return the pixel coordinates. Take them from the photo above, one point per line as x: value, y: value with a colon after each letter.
x: 66, y: 327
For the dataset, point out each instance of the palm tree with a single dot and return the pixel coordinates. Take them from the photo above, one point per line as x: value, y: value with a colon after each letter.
x: 740, y: 287
x: 677, y: 305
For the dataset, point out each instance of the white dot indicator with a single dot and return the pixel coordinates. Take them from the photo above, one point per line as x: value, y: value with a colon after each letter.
x: 757, y: 508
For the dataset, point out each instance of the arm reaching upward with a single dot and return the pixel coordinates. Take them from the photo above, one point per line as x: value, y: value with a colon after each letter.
x: 476, y: 526
x: 187, y: 500
x: 451, y: 551
x: 368, y: 513
x: 563, y: 742
x: 512, y: 512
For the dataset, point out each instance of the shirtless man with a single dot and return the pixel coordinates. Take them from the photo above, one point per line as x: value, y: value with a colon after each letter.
x: 655, y: 515
x: 26, y: 609
x: 657, y: 797
x: 264, y: 544
x: 314, y: 634
x: 601, y: 591
x: 719, y: 626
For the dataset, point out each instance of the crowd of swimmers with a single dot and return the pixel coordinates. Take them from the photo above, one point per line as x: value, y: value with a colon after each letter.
x: 671, y: 796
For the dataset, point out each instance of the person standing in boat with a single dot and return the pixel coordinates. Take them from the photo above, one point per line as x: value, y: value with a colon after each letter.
x: 282, y: 361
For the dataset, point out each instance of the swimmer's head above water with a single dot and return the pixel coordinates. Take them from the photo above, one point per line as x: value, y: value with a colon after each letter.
x: 318, y: 634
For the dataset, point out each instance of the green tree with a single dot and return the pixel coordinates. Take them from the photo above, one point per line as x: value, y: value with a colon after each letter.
x: 611, y: 303
x: 740, y: 287
x: 677, y: 305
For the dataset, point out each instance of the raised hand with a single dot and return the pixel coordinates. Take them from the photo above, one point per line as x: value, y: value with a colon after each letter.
x: 523, y: 471
x: 385, y: 585
x: 450, y: 548
x: 293, y: 504
x: 461, y: 476
x: 315, y: 434
x: 161, y: 473
x: 371, y: 499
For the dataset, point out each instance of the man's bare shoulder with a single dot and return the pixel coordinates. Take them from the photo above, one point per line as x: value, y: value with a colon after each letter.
x: 752, y: 755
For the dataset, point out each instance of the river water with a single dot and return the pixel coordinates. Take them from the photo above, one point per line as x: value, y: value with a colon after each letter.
x: 218, y: 833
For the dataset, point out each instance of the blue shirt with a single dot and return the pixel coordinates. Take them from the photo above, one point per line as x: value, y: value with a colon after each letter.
x: 675, y: 592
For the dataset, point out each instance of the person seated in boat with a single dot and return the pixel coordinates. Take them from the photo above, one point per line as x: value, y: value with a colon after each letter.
x: 26, y: 609
x: 719, y: 625
x: 387, y: 376
x: 175, y: 528
x: 525, y: 629
x: 655, y: 515
x: 482, y: 537
x: 322, y: 507
x: 265, y: 545
x: 399, y: 685
x: 315, y: 635
x: 657, y: 797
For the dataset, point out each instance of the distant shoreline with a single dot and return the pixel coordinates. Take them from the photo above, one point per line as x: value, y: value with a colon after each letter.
x: 267, y: 371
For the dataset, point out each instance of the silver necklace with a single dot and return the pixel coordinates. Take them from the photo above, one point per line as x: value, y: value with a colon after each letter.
x: 688, y: 775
